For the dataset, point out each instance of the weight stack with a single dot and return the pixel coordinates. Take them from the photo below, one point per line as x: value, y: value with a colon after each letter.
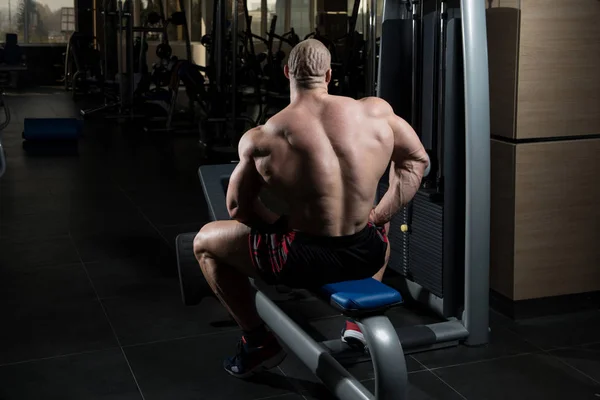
x: 398, y: 239
x: 425, y: 262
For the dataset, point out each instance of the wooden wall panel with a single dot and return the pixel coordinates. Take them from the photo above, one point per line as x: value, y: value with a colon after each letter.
x: 557, y: 210
x: 559, y: 60
x: 502, y: 222
x: 503, y: 51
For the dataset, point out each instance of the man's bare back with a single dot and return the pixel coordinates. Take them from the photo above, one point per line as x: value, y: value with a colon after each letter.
x: 324, y: 155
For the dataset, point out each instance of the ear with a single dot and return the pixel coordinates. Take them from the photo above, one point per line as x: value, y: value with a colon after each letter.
x: 328, y: 76
x: 286, y: 71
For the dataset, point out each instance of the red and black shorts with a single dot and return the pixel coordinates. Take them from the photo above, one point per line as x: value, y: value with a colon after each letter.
x: 300, y: 260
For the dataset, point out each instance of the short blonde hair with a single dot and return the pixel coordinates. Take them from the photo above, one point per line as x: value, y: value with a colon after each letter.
x: 308, y: 63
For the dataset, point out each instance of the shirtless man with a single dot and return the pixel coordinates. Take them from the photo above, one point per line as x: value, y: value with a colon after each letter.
x: 323, y: 155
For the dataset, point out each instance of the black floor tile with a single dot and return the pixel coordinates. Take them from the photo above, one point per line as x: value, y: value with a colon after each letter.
x: 114, y: 245
x: 35, y: 253
x: 187, y: 192
x: 423, y: 385
x: 45, y: 285
x: 33, y: 332
x: 299, y: 374
x: 502, y: 343
x: 192, y: 369
x: 25, y: 228
x: 126, y: 220
x: 90, y: 376
x: 133, y: 277
x: 558, y: 331
x: 101, y: 200
x: 163, y: 316
x: 20, y: 202
x: 536, y: 376
x: 585, y: 359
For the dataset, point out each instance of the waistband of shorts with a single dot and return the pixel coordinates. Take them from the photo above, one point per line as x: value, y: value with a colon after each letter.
x: 335, y: 241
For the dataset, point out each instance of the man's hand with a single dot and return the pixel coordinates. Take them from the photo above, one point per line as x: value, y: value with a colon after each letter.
x: 373, y: 217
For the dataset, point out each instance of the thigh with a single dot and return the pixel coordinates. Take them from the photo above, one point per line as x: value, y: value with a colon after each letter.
x: 227, y: 242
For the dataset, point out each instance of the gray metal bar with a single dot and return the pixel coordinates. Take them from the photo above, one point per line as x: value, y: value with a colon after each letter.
x: 477, y: 165
x: 416, y: 67
x: 448, y: 331
x: 411, y: 337
x: 389, y: 363
x: 341, y: 383
x: 372, y: 43
x: 347, y: 355
x: 441, y: 86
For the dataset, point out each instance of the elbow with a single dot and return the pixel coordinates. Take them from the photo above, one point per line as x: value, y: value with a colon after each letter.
x: 237, y: 213
x: 234, y: 211
x: 233, y: 208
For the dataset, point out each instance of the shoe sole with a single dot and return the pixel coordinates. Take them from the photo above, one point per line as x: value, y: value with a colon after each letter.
x: 354, y: 340
x: 264, y: 366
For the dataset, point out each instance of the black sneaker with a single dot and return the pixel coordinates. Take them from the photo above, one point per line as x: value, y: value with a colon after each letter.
x: 250, y: 360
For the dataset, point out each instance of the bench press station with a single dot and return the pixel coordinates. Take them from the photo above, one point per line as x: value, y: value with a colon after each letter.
x: 367, y: 300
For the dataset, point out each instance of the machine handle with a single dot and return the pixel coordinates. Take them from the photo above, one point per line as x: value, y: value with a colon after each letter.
x: 428, y: 169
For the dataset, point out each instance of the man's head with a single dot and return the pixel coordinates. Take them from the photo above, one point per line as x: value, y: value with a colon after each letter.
x: 309, y: 65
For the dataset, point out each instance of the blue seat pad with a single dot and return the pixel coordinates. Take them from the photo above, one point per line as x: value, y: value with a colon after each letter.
x: 365, y: 294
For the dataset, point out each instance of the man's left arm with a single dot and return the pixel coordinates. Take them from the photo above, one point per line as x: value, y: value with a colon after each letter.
x: 245, y: 183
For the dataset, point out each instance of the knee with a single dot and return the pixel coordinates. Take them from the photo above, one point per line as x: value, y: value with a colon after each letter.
x: 203, y: 242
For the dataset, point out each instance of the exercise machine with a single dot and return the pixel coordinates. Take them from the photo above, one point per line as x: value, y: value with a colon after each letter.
x: 129, y: 44
x: 465, y: 318
x: 5, y: 70
x: 442, y: 251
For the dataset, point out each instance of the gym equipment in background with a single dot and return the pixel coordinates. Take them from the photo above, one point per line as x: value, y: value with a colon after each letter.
x: 51, y: 136
x: 83, y: 64
x: 132, y: 77
x: 50, y: 129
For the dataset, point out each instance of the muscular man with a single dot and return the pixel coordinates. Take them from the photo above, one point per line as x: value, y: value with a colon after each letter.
x: 323, y: 155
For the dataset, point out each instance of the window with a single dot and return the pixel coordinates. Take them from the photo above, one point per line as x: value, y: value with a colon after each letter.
x: 67, y: 20
x: 362, y: 20
x: 174, y: 32
x: 147, y: 7
x: 300, y: 17
x: 37, y: 21
x: 255, y: 12
x: 195, y: 17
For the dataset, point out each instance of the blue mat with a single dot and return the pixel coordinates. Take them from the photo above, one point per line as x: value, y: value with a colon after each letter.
x: 52, y: 129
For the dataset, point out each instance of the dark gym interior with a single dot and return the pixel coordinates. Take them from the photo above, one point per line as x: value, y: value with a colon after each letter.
x: 99, y: 175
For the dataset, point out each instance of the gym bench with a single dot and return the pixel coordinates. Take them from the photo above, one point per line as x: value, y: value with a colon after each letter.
x: 363, y: 300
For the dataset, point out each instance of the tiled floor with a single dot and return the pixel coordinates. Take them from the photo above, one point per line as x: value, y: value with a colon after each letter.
x: 91, y: 309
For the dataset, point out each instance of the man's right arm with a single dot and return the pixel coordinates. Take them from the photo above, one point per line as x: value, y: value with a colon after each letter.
x: 409, y: 162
